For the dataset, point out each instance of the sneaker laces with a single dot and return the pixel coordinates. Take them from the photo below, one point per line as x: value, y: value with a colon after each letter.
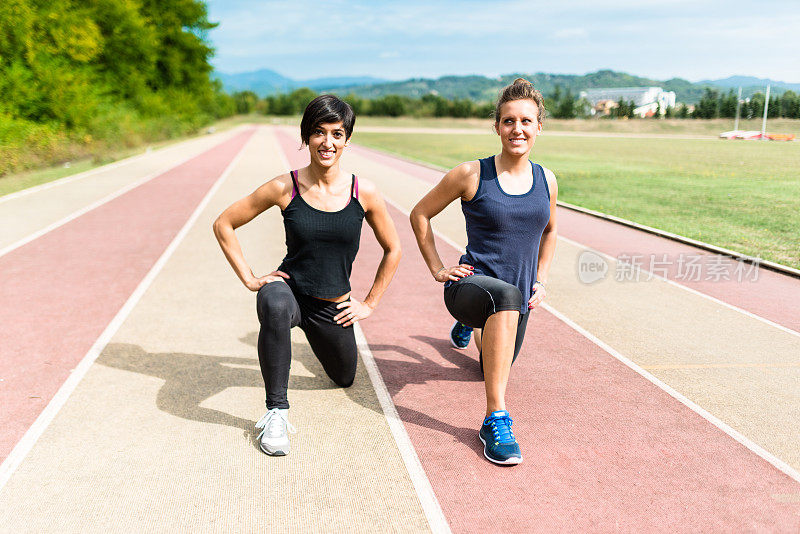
x: 501, y: 429
x: 272, y: 423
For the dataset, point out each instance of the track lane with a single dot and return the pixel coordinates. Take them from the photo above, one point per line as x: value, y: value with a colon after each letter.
x: 604, y: 449
x: 30, y: 211
x: 58, y: 292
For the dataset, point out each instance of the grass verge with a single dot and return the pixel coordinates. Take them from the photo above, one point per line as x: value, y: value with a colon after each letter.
x: 739, y: 195
x: 11, y: 183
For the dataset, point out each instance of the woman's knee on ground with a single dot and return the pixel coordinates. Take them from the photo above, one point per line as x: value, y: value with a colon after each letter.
x: 344, y: 380
x: 342, y: 372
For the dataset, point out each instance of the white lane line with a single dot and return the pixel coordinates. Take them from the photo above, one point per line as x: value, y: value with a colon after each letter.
x: 754, y: 447
x: 119, y: 192
x: 24, y: 446
x: 422, y: 486
x: 640, y: 269
x: 689, y: 289
x: 102, y: 168
x: 427, y: 497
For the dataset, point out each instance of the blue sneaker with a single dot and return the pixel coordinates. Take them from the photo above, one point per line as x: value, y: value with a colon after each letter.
x: 460, y: 334
x: 499, y: 445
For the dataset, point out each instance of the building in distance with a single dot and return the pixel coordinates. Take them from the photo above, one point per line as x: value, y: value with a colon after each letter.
x: 647, y: 100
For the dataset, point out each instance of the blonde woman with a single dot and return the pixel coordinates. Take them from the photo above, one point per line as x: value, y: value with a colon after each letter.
x: 509, y: 205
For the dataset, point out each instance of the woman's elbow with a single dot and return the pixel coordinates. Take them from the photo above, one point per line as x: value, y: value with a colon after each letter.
x: 394, y: 251
x: 417, y: 218
x: 220, y: 225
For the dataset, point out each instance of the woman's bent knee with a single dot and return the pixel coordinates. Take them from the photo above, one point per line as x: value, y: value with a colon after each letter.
x: 506, y: 297
x: 274, y: 305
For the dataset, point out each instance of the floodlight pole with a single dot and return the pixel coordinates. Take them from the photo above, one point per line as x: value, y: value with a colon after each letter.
x: 738, y: 107
x: 764, y: 121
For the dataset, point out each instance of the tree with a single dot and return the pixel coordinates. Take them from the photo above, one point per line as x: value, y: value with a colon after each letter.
x: 388, y: 106
x: 790, y: 105
x: 245, y: 101
x: 708, y: 107
x: 727, y: 105
x: 565, y: 108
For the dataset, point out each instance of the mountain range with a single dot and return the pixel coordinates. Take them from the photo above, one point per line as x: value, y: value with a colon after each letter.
x: 266, y: 82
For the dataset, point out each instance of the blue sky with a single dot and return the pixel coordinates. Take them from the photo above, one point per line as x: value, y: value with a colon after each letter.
x: 397, y: 40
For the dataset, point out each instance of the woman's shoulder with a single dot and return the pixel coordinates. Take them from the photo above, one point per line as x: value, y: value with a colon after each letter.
x: 465, y: 171
x: 274, y: 190
x: 550, y: 177
x: 281, y: 183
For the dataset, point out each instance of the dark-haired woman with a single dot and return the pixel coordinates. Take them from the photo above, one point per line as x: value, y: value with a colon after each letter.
x: 509, y: 206
x: 323, y: 209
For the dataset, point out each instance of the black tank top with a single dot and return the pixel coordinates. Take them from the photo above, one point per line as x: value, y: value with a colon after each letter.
x: 321, y: 245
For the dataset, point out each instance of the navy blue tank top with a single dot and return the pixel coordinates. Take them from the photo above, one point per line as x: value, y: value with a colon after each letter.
x: 504, y: 231
x: 321, y: 245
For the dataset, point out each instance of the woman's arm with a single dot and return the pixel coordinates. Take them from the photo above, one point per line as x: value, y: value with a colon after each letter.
x: 382, y: 226
x: 460, y: 182
x: 547, y: 245
x: 241, y: 212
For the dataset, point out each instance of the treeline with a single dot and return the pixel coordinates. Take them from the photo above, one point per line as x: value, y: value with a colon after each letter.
x: 715, y: 104
x: 559, y: 105
x: 386, y: 106
x: 78, y: 78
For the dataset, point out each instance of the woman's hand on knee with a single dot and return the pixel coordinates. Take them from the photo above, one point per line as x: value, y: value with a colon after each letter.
x: 254, y: 284
x: 539, y: 293
x: 453, y: 273
x: 353, y: 311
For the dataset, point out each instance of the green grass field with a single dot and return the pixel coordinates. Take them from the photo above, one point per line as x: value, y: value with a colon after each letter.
x: 711, y: 127
x: 736, y: 194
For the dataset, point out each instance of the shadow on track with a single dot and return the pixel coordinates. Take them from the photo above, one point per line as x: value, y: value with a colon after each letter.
x: 190, y: 379
x: 399, y: 374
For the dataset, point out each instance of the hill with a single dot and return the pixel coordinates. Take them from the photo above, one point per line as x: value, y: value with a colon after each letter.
x: 265, y: 82
x: 484, y: 89
x: 751, y: 84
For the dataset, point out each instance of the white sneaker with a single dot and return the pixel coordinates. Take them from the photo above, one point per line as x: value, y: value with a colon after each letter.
x: 273, y: 437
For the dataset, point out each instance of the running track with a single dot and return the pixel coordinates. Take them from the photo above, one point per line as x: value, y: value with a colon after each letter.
x: 59, y: 292
x: 604, y: 448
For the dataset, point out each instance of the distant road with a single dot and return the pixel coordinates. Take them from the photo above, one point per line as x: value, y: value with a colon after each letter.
x: 487, y: 131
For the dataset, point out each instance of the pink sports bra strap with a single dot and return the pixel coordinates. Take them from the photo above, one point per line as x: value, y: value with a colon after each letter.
x: 295, y: 187
x: 355, y: 187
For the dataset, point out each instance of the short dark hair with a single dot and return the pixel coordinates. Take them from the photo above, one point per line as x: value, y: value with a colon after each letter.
x: 326, y: 109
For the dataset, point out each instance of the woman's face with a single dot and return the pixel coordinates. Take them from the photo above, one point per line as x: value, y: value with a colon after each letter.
x: 326, y: 144
x: 518, y: 126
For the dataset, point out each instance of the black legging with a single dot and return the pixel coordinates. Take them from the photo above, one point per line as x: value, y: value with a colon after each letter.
x: 473, y: 299
x: 279, y: 310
